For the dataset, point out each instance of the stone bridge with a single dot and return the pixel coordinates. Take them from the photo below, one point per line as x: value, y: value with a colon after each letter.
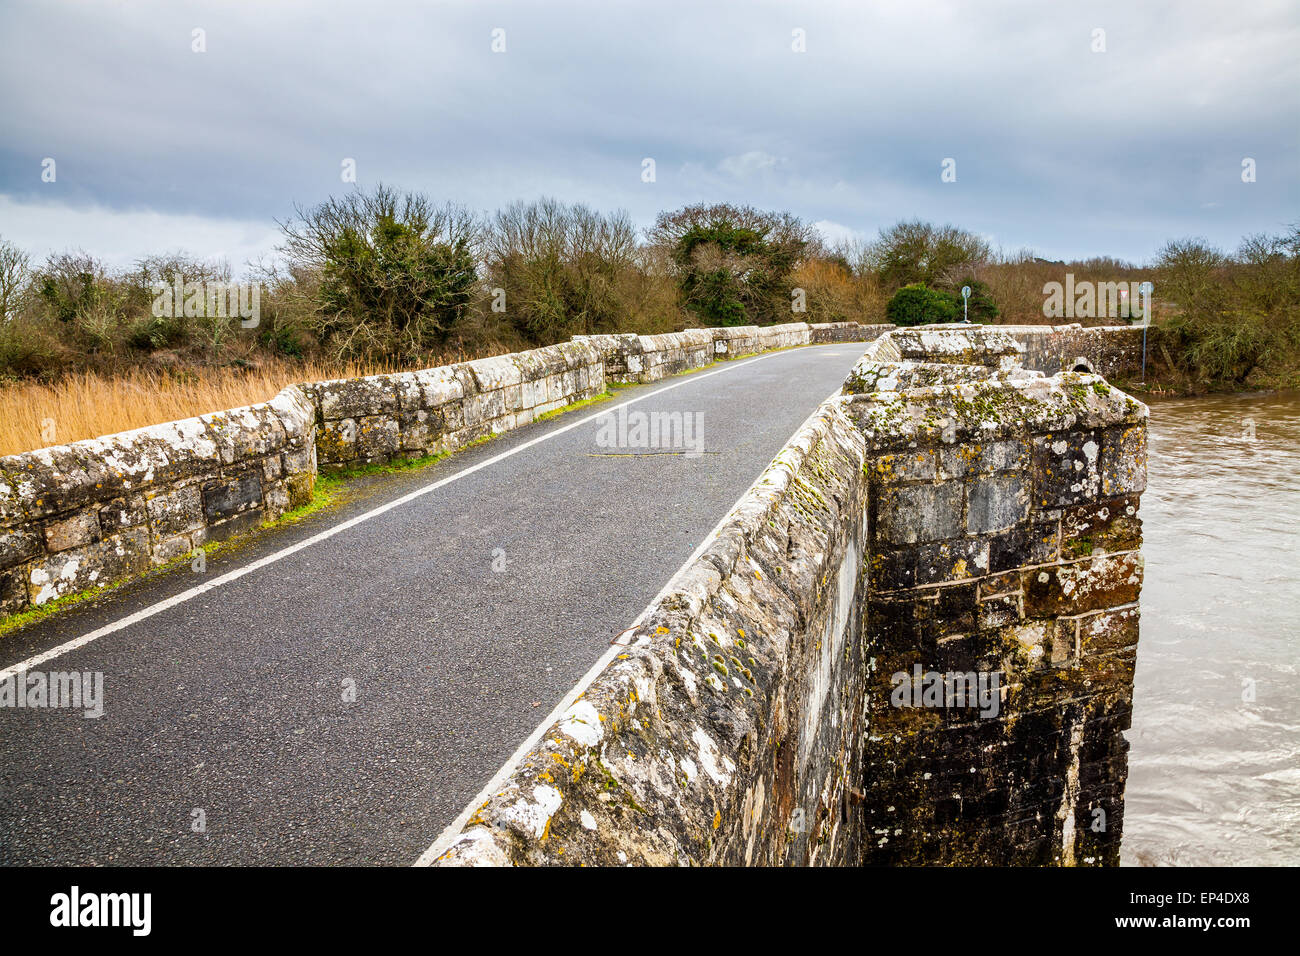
x: 480, y: 661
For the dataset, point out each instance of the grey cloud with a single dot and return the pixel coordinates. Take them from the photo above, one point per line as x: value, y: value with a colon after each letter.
x: 1071, y: 152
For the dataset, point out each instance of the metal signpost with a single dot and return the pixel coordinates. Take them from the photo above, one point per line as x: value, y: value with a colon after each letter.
x: 965, y: 297
x: 1145, y: 290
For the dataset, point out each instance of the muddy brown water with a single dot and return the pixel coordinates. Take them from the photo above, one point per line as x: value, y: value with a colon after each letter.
x: 1214, y: 769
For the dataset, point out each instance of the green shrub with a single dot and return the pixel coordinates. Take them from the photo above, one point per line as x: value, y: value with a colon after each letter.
x: 283, y: 339
x: 733, y: 263
x: 980, y: 307
x: 29, y: 348
x: 917, y: 305
x: 161, y: 332
x: 396, y: 272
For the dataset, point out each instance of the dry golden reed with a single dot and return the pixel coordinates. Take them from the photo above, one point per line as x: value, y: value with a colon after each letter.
x: 89, y: 405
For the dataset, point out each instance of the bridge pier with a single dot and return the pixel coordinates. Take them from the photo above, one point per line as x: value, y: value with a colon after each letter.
x: 1004, y: 549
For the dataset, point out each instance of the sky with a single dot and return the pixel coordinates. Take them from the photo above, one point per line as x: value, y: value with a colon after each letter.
x: 1072, y: 129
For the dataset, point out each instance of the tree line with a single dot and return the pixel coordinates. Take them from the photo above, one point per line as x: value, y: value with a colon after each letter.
x: 392, y: 276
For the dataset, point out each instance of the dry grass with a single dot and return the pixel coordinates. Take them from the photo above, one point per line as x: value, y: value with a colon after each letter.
x: 1017, y: 286
x: 835, y: 295
x: 88, y: 404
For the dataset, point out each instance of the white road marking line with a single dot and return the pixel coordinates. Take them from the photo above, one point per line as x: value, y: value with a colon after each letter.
x: 148, y: 612
x: 453, y: 830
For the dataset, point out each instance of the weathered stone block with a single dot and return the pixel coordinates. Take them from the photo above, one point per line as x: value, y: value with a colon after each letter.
x: 243, y: 433
x: 912, y: 465
x: 156, y: 456
x: 175, y: 512
x: 422, y: 430
x: 1111, y: 525
x: 892, y: 569
x: 336, y: 441
x: 1091, y: 584
x: 240, y: 522
x: 277, y: 499
x: 996, y: 503
x: 978, y: 458
x: 1000, y: 583
x: 357, y: 397
x: 71, y: 532
x: 429, y: 388
x: 1107, y: 672
x: 225, y: 497
x: 917, y: 513
x: 171, y: 548
x: 378, y: 437
x: 51, y: 480
x: 537, y: 364
x: 493, y: 374
x: 954, y: 560
x: 88, y: 566
x: 950, y: 609
x: 11, y: 505
x: 965, y: 652
x: 297, y: 460
x: 121, y: 513
x: 1066, y: 469
x: 17, y: 545
x: 13, y: 591
x: 1124, y: 461
x: 490, y: 406
x: 1109, y: 631
x: 300, y: 487
x: 971, y: 345
x: 999, y: 611
x: 1037, y: 543
x: 296, y: 412
x: 466, y: 436
x: 453, y: 416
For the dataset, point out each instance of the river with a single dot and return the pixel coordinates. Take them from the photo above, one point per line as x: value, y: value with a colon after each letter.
x: 1214, y: 769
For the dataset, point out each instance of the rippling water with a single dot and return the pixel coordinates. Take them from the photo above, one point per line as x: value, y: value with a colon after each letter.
x: 1214, y: 777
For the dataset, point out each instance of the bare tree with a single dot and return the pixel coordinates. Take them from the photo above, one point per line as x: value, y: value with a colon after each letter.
x: 14, y: 273
x: 565, y: 269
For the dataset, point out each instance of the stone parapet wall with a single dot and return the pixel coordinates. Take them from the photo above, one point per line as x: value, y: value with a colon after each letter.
x: 949, y: 345
x: 92, y: 512
x: 736, y: 708
x: 1112, y: 351
x: 733, y: 341
x: 432, y: 411
x: 649, y: 358
x: 828, y: 333
x: 654, y: 357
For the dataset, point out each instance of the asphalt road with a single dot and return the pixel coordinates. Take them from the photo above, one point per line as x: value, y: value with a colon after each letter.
x: 456, y: 619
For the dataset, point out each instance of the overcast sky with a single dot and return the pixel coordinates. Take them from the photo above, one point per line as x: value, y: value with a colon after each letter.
x: 1058, y: 148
